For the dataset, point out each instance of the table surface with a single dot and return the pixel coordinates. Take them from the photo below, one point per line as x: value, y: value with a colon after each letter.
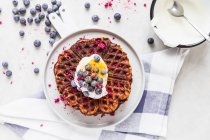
x: 189, y: 112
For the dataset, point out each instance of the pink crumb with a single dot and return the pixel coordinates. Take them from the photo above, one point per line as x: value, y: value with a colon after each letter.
x: 56, y: 100
x: 145, y: 5
x: 134, y: 3
x: 101, y: 45
x: 32, y: 63
x: 41, y: 125
x: 49, y: 85
x: 108, y: 4
x: 0, y: 22
x: 113, y: 38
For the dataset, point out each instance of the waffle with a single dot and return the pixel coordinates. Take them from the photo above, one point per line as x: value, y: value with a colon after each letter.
x: 119, y: 76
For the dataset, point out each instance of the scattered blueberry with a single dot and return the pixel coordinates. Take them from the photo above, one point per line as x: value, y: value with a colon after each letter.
x: 53, y: 34
x: 100, y: 80
x: 93, y: 83
x: 26, y: 3
x: 103, y: 71
x: 55, y: 8
x: 96, y: 58
x: 73, y: 84
x: 90, y: 88
x: 88, y: 67
x: 53, y: 2
x: 59, y: 3
x: 95, y: 69
x: 95, y: 18
x: 88, y: 79
x: 44, y: 6
x: 87, y: 5
x: 8, y: 73
x: 33, y: 11
x: 79, y: 73
x: 86, y: 93
x: 58, y: 13
x: 22, y: 11
x: 37, y: 20
x: 36, y: 70
x: 30, y: 20
x: 15, y: 11
x: 85, y: 73
x: 38, y: 7
x: 150, y: 40
x: 49, y: 10
x: 16, y: 18
x: 37, y: 43
x: 117, y: 16
x: 5, y: 64
x: 51, y: 41
x: 47, y: 29
x: 47, y: 22
x: 22, y: 21
x: 41, y: 16
x: 21, y: 33
x: 98, y: 91
x: 15, y: 2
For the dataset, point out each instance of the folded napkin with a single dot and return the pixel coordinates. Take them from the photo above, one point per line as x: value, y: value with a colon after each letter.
x: 31, y: 118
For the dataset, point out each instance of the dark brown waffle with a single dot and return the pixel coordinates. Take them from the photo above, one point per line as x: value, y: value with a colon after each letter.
x: 119, y: 76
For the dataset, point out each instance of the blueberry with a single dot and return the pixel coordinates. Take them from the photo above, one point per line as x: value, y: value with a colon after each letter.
x: 80, y: 82
x: 5, y: 64
x: 44, y: 6
x: 96, y: 58
x: 22, y: 21
x: 86, y: 93
x: 85, y: 74
x: 98, y: 91
x: 90, y: 88
x: 73, y: 84
x: 150, y: 40
x: 53, y: 34
x: 93, y: 83
x: 100, y: 80
x: 95, y: 18
x: 88, y: 79
x: 15, y: 2
x: 88, y: 67
x: 37, y: 20
x: 33, y: 11
x: 47, y: 22
x: 16, y: 18
x: 95, y: 69
x: 49, y: 10
x: 41, y: 16
x: 22, y: 11
x: 79, y: 73
x: 30, y: 20
x: 26, y: 3
x: 47, y: 29
x: 21, y: 33
x: 36, y: 70
x: 38, y: 7
x: 103, y: 71
x: 51, y: 41
x: 117, y: 16
x: 8, y: 73
x: 53, y: 2
x: 55, y: 8
x: 37, y: 43
x: 59, y: 3
x: 15, y: 11
x: 87, y: 5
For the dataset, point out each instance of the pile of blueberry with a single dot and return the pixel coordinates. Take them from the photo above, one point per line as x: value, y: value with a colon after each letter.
x: 38, y: 14
x: 90, y: 79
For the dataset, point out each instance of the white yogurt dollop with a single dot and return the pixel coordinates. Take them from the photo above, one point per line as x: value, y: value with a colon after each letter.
x: 101, y: 65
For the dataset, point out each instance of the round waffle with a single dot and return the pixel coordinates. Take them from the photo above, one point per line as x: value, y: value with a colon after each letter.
x: 119, y: 76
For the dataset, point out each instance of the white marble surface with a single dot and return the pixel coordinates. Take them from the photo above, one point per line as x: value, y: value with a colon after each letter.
x: 189, y: 117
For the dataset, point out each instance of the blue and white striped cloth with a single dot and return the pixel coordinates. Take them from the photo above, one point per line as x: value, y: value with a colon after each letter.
x: 31, y: 118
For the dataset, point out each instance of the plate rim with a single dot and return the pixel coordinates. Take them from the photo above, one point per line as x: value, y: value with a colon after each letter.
x: 152, y: 9
x: 82, y: 31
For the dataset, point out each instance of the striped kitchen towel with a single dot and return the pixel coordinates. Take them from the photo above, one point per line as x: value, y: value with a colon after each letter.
x: 31, y: 118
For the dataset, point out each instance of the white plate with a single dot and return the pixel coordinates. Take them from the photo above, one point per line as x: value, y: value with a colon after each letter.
x: 75, y: 117
x: 176, y: 31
